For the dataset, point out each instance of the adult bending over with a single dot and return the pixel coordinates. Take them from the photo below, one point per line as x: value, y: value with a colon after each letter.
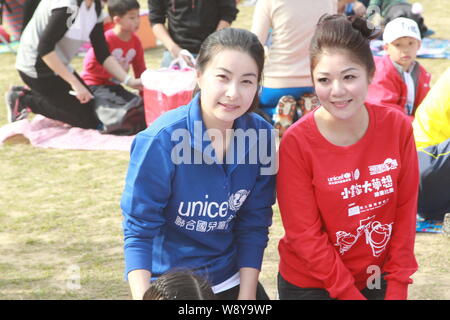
x: 51, y: 39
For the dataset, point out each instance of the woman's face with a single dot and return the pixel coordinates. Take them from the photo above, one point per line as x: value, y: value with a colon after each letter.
x: 228, y: 86
x: 341, y: 84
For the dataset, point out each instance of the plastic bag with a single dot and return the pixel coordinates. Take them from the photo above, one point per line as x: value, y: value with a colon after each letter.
x: 167, y: 88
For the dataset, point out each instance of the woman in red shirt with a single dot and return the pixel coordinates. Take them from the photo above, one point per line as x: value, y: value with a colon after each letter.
x: 348, y: 181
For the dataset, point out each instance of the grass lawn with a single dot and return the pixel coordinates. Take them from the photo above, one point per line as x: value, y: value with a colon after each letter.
x: 60, y: 220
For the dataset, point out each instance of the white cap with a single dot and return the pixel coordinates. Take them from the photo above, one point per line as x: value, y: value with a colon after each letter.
x: 400, y: 27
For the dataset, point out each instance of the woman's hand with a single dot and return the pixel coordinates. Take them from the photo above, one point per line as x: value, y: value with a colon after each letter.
x: 81, y: 93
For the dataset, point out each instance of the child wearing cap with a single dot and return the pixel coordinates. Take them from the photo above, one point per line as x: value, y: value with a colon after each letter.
x: 400, y: 81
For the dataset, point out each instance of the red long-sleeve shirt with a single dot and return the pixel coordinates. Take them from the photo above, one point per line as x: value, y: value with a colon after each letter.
x: 348, y: 210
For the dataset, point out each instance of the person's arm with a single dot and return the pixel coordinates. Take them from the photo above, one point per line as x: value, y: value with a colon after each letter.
x: 162, y: 34
x: 116, y: 70
x: 56, y: 28
x: 157, y: 16
x: 138, y: 62
x: 146, y: 194
x: 254, y: 218
x: 302, y: 222
x: 56, y: 65
x: 401, y: 263
x: 139, y: 281
x: 248, y: 283
x: 261, y: 22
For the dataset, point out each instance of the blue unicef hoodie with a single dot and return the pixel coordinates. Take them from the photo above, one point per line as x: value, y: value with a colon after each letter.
x: 182, y: 208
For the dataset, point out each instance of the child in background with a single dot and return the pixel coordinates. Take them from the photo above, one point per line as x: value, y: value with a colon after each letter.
x: 123, y: 44
x: 179, y: 285
x: 400, y: 81
x: 126, y: 47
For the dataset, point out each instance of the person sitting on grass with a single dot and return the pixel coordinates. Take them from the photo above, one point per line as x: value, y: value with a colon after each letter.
x: 432, y: 135
x: 400, y: 81
x: 50, y: 40
x: 126, y: 47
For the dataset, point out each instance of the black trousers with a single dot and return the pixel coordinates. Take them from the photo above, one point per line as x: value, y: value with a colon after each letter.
x: 233, y: 293
x: 289, y: 291
x: 50, y: 97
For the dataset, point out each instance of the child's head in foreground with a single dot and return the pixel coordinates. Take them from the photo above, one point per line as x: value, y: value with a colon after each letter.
x: 179, y: 285
x: 402, y: 40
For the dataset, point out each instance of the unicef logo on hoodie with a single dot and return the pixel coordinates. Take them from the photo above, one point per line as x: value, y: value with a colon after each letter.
x: 237, y: 200
x: 207, y: 216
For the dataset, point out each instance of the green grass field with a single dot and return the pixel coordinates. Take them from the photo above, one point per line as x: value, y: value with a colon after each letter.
x: 60, y: 220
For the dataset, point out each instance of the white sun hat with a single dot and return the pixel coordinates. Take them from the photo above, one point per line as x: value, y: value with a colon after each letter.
x: 400, y: 27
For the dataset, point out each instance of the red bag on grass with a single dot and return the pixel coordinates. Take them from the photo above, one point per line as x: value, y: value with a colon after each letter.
x: 166, y: 89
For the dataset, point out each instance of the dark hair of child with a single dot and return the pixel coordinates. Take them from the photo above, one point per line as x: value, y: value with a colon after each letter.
x: 121, y: 7
x: 179, y: 285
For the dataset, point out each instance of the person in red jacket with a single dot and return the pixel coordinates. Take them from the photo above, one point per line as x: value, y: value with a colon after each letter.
x: 400, y: 81
x: 347, y: 183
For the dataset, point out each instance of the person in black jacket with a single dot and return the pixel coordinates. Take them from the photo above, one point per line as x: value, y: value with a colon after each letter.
x: 189, y: 23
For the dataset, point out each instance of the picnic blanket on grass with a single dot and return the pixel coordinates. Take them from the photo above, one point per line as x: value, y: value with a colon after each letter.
x: 430, y: 226
x: 43, y: 132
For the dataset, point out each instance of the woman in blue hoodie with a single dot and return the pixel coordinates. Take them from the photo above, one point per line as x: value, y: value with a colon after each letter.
x: 201, y: 179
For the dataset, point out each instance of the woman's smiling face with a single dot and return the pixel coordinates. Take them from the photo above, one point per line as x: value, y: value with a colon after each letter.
x: 340, y: 84
x: 228, y: 87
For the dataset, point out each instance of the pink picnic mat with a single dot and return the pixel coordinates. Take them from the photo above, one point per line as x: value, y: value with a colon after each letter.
x: 47, y: 133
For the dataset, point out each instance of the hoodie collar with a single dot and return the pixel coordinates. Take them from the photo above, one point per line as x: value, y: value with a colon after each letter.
x: 200, y: 139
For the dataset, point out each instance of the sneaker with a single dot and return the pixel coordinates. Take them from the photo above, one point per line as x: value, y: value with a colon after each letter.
x: 14, y: 109
x: 284, y: 114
